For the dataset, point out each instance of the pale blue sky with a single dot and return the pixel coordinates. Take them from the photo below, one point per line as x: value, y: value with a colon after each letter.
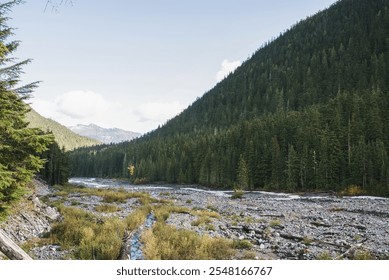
x: 134, y: 64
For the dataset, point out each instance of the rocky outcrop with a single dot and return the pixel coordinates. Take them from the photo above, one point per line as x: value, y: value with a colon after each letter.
x: 31, y: 218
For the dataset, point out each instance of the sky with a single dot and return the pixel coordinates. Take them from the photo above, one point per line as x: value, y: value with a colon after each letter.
x: 135, y: 64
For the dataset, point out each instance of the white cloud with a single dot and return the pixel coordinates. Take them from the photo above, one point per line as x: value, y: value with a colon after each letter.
x: 159, y: 111
x: 82, y: 104
x: 85, y: 107
x: 227, y: 67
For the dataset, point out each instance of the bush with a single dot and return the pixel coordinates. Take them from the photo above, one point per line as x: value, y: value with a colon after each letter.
x: 201, y: 221
x: 107, y: 208
x: 165, y: 242
x: 352, y: 190
x: 242, y: 244
x: 238, y: 193
x: 91, y: 238
x: 325, y: 255
x: 275, y: 223
x: 137, y: 218
x: 141, y: 181
x: 362, y: 255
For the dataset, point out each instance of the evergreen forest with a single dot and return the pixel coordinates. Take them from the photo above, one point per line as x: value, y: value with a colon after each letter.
x: 308, y: 111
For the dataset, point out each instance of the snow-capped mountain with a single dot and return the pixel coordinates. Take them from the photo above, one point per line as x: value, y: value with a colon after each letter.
x: 105, y: 135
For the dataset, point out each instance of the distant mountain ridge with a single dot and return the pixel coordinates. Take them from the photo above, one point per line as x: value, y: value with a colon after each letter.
x: 63, y: 136
x: 104, y: 135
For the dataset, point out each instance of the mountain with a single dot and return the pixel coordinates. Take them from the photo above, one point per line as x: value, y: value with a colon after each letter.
x: 104, y: 135
x: 308, y: 111
x: 63, y: 136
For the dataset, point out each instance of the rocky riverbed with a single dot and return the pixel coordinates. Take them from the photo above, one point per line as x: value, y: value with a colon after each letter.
x: 278, y: 225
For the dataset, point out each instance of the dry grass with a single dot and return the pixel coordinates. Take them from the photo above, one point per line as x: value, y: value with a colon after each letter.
x: 107, y: 208
x: 164, y: 242
x: 109, y: 196
x: 325, y: 255
x: 137, y: 218
x: 242, y: 244
x: 92, y: 238
x: 352, y: 190
x: 362, y: 255
x: 201, y: 221
x: 275, y: 223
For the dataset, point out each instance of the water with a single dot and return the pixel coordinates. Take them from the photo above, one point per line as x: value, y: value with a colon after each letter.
x: 135, y: 240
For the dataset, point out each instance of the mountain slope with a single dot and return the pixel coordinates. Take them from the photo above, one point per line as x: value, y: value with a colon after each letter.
x: 309, y: 110
x: 104, y: 135
x: 345, y: 47
x: 63, y: 136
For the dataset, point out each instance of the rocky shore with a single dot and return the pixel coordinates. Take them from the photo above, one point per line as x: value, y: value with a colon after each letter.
x: 31, y: 218
x: 277, y: 225
x: 283, y: 226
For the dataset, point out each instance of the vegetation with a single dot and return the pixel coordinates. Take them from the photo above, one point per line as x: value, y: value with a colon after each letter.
x: 164, y: 242
x: 352, y: 191
x: 325, y: 255
x: 20, y: 146
x: 91, y: 237
x: 107, y: 208
x: 238, y: 193
x: 308, y: 111
x: 362, y: 255
x: 65, y: 138
x: 56, y: 167
x: 242, y: 244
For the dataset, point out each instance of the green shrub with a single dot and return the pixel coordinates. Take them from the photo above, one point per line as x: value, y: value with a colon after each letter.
x: 275, y: 223
x: 107, y: 208
x: 201, y: 221
x: 242, y: 244
x: 362, y: 255
x: 352, y: 190
x: 90, y: 237
x: 238, y: 193
x: 164, y: 242
x: 325, y: 255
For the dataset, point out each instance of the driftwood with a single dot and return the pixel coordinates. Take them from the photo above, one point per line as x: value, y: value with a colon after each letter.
x: 292, y: 237
x: 350, y: 251
x: 124, y: 250
x: 273, y: 215
x: 11, y: 249
x: 318, y: 224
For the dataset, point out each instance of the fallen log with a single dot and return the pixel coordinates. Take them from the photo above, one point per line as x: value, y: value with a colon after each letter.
x: 291, y: 236
x: 11, y: 249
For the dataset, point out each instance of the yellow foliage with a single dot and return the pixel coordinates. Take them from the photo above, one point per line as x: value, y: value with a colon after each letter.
x: 165, y: 242
x: 352, y: 190
x: 131, y: 169
x: 90, y: 238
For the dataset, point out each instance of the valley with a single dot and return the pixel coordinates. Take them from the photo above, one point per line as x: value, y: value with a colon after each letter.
x: 261, y: 225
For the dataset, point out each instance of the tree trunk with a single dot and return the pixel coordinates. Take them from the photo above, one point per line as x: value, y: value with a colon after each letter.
x: 11, y: 249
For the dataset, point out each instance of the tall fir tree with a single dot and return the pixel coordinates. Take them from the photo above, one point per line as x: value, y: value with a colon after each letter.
x: 19, y: 146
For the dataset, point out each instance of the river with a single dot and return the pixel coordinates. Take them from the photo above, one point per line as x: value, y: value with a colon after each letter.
x: 279, y: 225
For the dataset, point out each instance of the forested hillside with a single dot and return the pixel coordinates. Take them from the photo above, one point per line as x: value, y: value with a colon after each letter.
x: 308, y: 111
x: 63, y: 136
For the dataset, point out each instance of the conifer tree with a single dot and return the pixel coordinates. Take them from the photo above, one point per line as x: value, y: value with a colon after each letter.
x: 19, y: 145
x: 243, y: 174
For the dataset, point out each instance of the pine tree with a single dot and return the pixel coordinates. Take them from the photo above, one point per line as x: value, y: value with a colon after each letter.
x: 243, y: 174
x: 19, y: 145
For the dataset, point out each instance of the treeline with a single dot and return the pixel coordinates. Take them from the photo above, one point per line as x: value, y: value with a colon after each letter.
x: 56, y: 166
x: 324, y: 147
x: 308, y: 111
